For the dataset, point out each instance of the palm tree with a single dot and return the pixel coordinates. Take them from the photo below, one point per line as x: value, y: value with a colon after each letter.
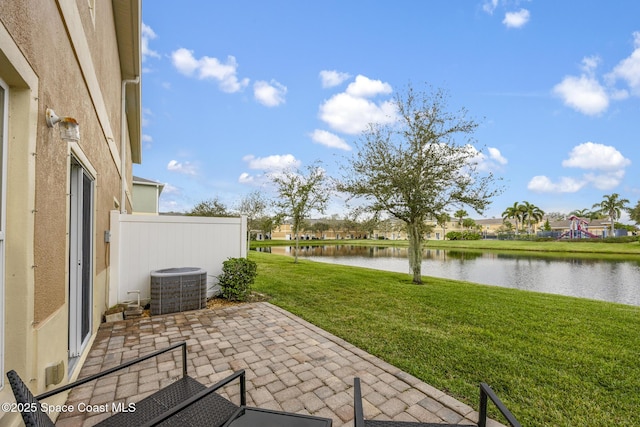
x: 581, y: 213
x: 513, y: 212
x: 531, y: 212
x: 612, y: 205
x: 442, y: 220
x: 460, y: 214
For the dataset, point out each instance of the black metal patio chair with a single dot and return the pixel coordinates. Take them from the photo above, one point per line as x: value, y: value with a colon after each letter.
x: 485, y: 393
x: 185, y: 402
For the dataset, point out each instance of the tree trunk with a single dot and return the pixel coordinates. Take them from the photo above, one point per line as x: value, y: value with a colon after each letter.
x: 613, y: 227
x: 415, y: 252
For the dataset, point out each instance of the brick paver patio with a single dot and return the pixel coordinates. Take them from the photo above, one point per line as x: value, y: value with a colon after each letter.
x: 290, y: 365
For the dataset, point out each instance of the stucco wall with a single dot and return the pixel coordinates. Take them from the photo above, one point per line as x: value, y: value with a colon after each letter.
x: 72, y: 66
x: 63, y: 87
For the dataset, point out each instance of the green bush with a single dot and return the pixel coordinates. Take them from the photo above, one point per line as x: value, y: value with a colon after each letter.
x: 238, y: 274
x: 454, y: 235
x: 465, y: 235
x: 470, y: 235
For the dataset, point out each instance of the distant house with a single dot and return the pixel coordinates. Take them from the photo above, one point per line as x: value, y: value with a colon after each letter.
x: 146, y: 196
x: 70, y: 129
x: 490, y: 227
x: 336, y: 229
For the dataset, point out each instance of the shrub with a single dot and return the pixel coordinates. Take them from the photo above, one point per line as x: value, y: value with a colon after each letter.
x: 238, y: 274
x: 470, y: 235
x: 465, y: 235
x: 454, y: 235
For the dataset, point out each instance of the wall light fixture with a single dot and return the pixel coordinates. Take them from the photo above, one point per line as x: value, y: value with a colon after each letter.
x: 69, y: 127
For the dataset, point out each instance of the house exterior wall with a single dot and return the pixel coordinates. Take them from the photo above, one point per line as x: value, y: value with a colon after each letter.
x: 285, y: 232
x: 145, y: 199
x: 65, y: 56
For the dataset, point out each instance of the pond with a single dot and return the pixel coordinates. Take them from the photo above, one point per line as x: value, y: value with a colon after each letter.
x: 614, y: 279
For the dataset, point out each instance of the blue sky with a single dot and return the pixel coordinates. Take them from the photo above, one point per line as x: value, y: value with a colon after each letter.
x: 233, y: 91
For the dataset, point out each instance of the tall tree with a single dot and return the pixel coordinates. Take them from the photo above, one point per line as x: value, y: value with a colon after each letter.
x: 266, y: 224
x: 468, y: 223
x: 513, y: 212
x: 253, y: 206
x: 415, y: 168
x: 460, y: 214
x: 335, y: 224
x: 612, y: 205
x: 320, y: 227
x: 209, y: 207
x: 301, y: 193
x: 581, y: 213
x: 442, y: 219
x: 531, y: 213
x: 364, y: 220
x: 634, y: 213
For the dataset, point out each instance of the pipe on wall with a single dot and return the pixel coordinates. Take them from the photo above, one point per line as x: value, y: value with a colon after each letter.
x: 123, y: 145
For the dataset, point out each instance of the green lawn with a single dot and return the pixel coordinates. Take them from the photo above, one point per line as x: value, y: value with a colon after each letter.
x: 554, y: 360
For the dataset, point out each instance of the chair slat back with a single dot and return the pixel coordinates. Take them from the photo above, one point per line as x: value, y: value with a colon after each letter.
x: 29, y: 406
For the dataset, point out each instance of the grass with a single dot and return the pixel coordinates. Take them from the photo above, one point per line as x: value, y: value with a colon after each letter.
x: 554, y: 360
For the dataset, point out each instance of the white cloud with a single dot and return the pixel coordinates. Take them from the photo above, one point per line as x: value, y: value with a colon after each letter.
x: 542, y: 184
x: 171, y: 189
x: 609, y: 163
x: 147, y: 115
x: 516, y: 19
x: 606, y: 181
x: 147, y: 140
x: 274, y: 162
x: 172, y: 206
x: 329, y: 139
x: 495, y: 154
x: 589, y: 64
x: 352, y: 111
x: 184, y: 61
x: 271, y: 165
x: 629, y: 68
x: 596, y: 156
x: 332, y: 78
x: 584, y: 94
x: 245, y: 178
x: 146, y: 35
x: 364, y: 87
x: 489, y: 6
x: 351, y: 115
x: 184, y: 168
x: 492, y: 161
x: 270, y: 94
x: 587, y: 95
x: 210, y: 68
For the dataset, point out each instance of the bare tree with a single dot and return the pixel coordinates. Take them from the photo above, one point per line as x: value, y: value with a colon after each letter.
x: 301, y: 193
x: 415, y: 169
x: 253, y: 205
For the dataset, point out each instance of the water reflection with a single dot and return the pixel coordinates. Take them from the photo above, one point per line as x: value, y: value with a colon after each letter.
x: 610, y: 279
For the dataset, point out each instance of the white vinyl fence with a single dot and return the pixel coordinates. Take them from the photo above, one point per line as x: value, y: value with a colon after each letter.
x: 141, y: 244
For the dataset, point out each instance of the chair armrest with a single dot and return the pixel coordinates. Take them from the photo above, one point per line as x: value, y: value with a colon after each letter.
x: 182, y: 344
x: 204, y: 393
x: 486, y: 391
x: 358, y: 413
